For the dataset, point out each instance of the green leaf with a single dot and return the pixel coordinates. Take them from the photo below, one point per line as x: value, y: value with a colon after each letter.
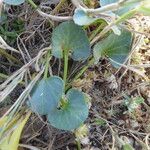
x: 73, y: 114
x: 14, y: 2
x: 127, y: 147
x: 127, y: 6
x: 64, y: 112
x: 46, y: 95
x: 81, y: 18
x: 114, y: 46
x: 100, y: 122
x: 134, y: 103
x: 70, y: 37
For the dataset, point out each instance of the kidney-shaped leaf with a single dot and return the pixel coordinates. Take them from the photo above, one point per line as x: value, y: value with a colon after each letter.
x: 14, y: 2
x: 71, y: 37
x: 82, y: 18
x: 114, y: 46
x: 46, y: 95
x: 71, y: 116
x: 122, y: 10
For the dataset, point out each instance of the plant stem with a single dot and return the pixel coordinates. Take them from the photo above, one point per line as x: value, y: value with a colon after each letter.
x: 95, y: 32
x: 58, y: 6
x: 65, y: 65
x: 84, y: 69
x: 81, y: 72
x: 125, y: 16
x: 116, y: 22
x: 32, y: 4
x: 78, y: 145
x: 9, y: 57
x: 47, y: 64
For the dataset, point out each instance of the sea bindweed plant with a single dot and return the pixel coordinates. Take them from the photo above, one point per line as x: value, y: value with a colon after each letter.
x: 65, y: 108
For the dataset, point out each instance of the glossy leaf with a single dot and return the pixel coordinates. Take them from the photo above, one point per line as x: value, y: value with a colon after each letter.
x: 122, y: 10
x: 70, y: 37
x: 14, y: 2
x: 81, y: 18
x: 71, y: 116
x: 46, y: 95
x: 114, y: 46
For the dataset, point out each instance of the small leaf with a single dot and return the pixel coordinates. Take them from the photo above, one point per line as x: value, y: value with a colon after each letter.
x: 127, y: 147
x: 100, y: 122
x: 114, y: 46
x: 71, y: 37
x: 132, y: 104
x: 46, y: 95
x: 81, y: 18
x: 14, y: 2
x: 73, y: 114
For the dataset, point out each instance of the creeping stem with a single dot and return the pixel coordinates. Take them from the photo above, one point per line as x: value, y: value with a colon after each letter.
x: 32, y: 4
x: 47, y: 64
x: 78, y: 144
x: 81, y: 72
x: 66, y: 53
x: 91, y: 62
